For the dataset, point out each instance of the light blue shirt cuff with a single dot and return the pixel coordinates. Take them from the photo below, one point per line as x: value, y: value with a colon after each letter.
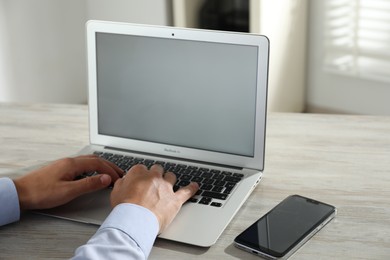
x: 127, y: 233
x: 9, y: 202
x: 139, y: 223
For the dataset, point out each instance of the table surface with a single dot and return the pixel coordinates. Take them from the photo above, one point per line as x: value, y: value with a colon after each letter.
x: 339, y: 159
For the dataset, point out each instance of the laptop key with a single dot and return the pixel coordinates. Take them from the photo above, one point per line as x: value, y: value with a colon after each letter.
x: 230, y: 185
x: 228, y: 190
x: 185, y: 171
x: 123, y: 166
x: 215, y: 195
x: 217, y: 188
x: 206, y: 187
x: 178, y: 176
x: 138, y: 160
x: 208, y: 181
x: 196, y: 173
x: 216, y: 204
x: 218, y: 177
x: 220, y: 183
x: 148, y: 163
x: 232, y: 179
x: 197, y: 179
x: 205, y: 201
x: 186, y: 177
x: 183, y: 183
x: 207, y: 175
x: 181, y: 166
x: 193, y: 200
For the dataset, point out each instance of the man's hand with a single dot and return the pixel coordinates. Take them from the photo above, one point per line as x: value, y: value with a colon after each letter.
x: 152, y: 190
x: 54, y: 184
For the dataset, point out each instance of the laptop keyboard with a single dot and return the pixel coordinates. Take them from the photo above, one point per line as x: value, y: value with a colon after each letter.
x: 215, y: 186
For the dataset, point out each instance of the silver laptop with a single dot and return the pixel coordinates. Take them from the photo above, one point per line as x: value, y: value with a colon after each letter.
x: 191, y: 100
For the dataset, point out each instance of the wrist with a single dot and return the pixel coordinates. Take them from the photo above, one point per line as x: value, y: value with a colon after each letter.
x: 22, y: 192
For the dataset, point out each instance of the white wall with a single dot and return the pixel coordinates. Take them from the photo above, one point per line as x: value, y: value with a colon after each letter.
x: 42, y: 44
x: 133, y: 11
x: 3, y: 48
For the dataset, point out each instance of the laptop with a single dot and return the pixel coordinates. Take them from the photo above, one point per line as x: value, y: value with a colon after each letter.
x: 191, y: 100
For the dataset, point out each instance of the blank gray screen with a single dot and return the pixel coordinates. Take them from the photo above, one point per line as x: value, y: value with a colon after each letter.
x: 178, y: 92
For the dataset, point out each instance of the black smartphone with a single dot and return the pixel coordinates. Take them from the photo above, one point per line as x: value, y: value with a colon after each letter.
x: 286, y: 227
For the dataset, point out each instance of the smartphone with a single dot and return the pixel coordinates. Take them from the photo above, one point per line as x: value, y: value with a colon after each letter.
x: 285, y: 228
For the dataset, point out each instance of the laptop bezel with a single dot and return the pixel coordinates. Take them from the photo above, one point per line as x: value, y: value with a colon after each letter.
x: 261, y: 42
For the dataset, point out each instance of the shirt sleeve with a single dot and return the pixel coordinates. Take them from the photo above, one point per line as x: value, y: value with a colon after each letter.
x: 128, y: 233
x: 9, y: 202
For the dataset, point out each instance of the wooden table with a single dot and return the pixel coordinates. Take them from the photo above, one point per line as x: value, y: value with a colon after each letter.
x: 340, y: 159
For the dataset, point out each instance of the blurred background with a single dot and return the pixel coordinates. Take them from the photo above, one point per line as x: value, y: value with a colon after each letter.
x: 327, y: 56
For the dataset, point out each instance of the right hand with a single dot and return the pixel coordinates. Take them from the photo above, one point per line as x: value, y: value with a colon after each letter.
x: 153, y: 190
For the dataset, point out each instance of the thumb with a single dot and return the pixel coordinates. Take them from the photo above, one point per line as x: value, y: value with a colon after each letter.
x: 90, y: 184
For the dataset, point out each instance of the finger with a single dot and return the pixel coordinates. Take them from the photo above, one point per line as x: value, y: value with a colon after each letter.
x: 94, y: 156
x: 119, y: 182
x: 135, y: 171
x: 115, y: 167
x: 186, y: 192
x: 157, y: 168
x: 83, y: 165
x: 138, y: 168
x: 170, y: 177
x: 90, y: 184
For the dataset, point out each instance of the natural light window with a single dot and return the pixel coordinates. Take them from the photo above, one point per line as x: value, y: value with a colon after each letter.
x: 357, y: 38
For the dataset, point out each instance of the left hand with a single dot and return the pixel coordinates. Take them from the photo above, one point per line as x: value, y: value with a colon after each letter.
x: 54, y: 184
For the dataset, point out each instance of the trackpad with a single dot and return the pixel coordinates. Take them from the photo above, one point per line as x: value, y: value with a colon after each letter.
x: 90, y: 208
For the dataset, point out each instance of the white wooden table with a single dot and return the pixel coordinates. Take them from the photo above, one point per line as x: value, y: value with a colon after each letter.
x: 341, y: 160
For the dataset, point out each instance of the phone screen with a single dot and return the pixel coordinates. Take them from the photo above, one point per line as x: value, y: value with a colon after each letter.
x: 282, y: 228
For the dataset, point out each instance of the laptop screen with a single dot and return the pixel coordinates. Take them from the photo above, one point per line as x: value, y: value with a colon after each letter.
x: 179, y: 92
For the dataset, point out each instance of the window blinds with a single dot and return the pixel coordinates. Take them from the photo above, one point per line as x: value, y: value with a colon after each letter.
x: 357, y: 38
